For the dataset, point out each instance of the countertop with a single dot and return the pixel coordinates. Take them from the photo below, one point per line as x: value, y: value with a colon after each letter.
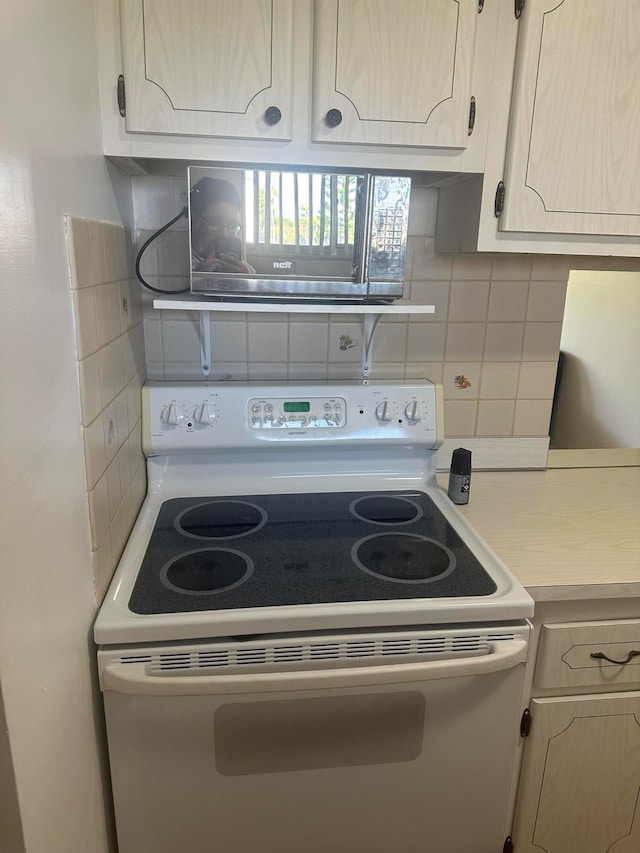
x: 565, y: 534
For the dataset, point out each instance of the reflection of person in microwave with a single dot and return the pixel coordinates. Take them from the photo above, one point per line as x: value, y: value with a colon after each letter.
x: 216, y: 244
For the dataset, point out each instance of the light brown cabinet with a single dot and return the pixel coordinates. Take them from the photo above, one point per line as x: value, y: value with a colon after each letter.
x: 580, y: 782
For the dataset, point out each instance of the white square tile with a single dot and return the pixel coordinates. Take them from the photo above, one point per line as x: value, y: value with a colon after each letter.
x: 134, y: 450
x: 459, y: 417
x: 511, y: 268
x: 110, y: 255
x: 541, y: 341
x: 309, y: 342
x: 180, y: 340
x: 90, y: 394
x: 508, y: 301
x: 473, y: 267
x: 126, y: 304
x: 425, y: 342
x: 84, y: 308
x: 504, y: 342
x: 182, y: 371
x: 307, y: 370
x: 386, y: 370
x: 389, y: 342
x: 495, y: 417
x: 237, y: 371
x: 344, y: 371
x: 461, y: 380
x: 468, y: 301
x: 139, y: 487
x: 465, y: 342
x: 434, y: 293
x: 99, y: 511
x: 499, y: 380
x: 546, y: 300
x: 268, y: 371
x: 532, y: 417
x: 110, y: 432
x: 94, y: 455
x: 228, y: 341
x: 122, y: 416
x: 268, y: 342
x: 114, y: 487
x: 119, y: 363
x: 121, y: 253
x: 107, y: 376
x: 79, y: 252
x: 122, y: 461
x: 551, y: 268
x: 425, y: 264
x: 423, y: 211
x: 345, y: 342
x: 98, y: 259
x: 103, y: 314
x: 120, y: 525
x: 115, y: 310
x: 537, y: 380
x: 153, y: 340
x: 424, y: 370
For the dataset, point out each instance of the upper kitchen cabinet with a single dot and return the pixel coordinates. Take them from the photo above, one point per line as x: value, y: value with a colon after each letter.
x: 208, y: 68
x: 338, y: 83
x: 394, y: 73
x: 562, y: 171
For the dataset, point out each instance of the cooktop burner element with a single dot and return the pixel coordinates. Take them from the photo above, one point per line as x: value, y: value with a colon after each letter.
x: 403, y: 557
x: 303, y: 549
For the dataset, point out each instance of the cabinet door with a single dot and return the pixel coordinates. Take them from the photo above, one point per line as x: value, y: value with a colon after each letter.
x: 208, y: 67
x: 572, y: 159
x: 580, y: 784
x: 393, y: 73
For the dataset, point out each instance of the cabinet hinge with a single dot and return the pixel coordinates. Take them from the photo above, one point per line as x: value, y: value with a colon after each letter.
x: 518, y: 7
x: 508, y: 845
x: 525, y: 723
x: 472, y: 114
x: 498, y: 202
x: 122, y: 101
x: 480, y: 6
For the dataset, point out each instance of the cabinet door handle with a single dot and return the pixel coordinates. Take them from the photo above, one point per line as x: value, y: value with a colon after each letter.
x: 333, y: 118
x: 601, y: 656
x: 272, y: 115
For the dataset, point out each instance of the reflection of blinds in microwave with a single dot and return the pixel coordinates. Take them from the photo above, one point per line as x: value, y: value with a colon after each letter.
x: 295, y: 209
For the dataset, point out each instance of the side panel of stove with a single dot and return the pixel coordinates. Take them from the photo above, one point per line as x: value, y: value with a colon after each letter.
x: 200, y: 416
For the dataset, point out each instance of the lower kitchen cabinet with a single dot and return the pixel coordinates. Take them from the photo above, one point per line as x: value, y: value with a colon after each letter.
x: 579, y: 788
x: 581, y: 776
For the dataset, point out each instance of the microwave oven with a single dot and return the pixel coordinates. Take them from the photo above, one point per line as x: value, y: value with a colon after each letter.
x: 260, y: 233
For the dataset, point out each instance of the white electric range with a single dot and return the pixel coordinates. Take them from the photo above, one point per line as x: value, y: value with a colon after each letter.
x: 295, y: 561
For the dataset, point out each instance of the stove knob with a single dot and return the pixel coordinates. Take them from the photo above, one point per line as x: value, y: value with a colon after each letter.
x: 383, y: 412
x: 412, y: 412
x: 172, y: 415
x: 204, y: 414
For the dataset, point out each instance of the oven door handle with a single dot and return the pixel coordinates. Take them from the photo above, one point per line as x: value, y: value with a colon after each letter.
x: 133, y: 678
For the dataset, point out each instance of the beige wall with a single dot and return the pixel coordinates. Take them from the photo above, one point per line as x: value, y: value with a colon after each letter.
x: 50, y: 165
x: 493, y: 341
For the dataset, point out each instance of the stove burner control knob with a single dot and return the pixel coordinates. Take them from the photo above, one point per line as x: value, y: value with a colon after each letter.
x: 172, y: 415
x: 204, y: 414
x: 383, y: 412
x: 412, y: 412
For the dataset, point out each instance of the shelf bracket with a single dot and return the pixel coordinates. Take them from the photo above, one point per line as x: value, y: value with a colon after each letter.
x: 205, y: 342
x: 369, y: 323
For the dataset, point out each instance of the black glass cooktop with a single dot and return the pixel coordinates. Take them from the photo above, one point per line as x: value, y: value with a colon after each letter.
x: 223, y: 553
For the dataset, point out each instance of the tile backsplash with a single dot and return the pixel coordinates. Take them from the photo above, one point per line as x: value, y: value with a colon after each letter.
x: 111, y: 370
x: 493, y: 340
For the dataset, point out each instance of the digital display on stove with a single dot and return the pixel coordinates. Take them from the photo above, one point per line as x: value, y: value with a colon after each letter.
x: 219, y: 553
x: 297, y: 407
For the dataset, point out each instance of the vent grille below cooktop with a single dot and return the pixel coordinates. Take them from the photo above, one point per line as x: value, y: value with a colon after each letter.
x: 268, y: 655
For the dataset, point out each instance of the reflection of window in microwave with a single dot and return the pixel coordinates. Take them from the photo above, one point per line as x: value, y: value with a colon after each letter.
x: 300, y: 209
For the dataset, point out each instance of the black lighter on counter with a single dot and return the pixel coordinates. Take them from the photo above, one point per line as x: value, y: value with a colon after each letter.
x: 460, y: 476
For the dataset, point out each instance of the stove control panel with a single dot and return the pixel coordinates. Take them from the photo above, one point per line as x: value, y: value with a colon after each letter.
x: 294, y: 412
x: 198, y: 416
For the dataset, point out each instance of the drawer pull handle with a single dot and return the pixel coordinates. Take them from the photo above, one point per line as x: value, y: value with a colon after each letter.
x: 601, y: 656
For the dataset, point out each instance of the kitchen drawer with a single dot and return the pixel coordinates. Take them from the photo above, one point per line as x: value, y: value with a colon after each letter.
x: 564, y: 657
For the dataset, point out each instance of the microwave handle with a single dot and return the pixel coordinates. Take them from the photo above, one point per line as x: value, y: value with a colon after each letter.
x: 134, y: 679
x: 362, y: 236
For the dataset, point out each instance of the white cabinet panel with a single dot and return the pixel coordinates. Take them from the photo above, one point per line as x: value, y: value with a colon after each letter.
x: 572, y: 157
x: 580, y: 782
x: 393, y: 73
x: 208, y: 68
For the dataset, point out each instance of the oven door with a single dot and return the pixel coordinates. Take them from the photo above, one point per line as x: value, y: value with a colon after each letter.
x: 410, y: 756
